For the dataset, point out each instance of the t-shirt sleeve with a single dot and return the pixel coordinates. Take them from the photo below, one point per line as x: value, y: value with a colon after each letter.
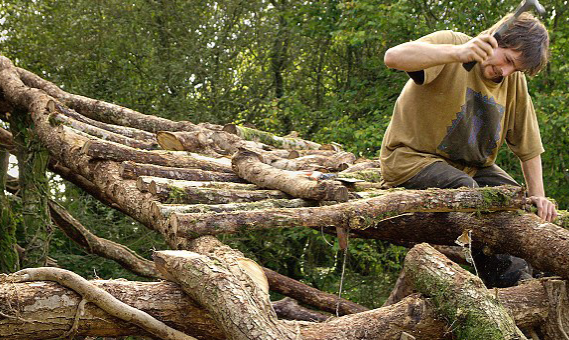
x: 440, y: 37
x: 523, y: 135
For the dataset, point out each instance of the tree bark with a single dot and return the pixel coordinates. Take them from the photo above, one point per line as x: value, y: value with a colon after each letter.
x: 199, y: 195
x: 164, y: 210
x: 521, y: 235
x: 311, y: 296
x: 119, y: 153
x: 234, y: 300
x: 131, y: 170
x: 248, y: 165
x: 355, y: 215
x: 153, y: 183
x: 46, y: 310
x: 270, y: 139
x: 289, y: 309
x: 532, y: 305
x: 460, y: 297
x: 104, y: 134
x: 102, y: 111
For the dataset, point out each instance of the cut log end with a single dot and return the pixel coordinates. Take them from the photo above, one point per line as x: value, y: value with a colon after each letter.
x: 169, y: 141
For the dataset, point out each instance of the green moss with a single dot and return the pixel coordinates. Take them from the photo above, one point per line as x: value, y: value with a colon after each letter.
x: 466, y: 321
x: 493, y: 196
x: 368, y: 175
x: 176, y: 195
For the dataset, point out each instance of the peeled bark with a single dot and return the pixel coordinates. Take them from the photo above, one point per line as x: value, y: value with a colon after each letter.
x: 270, y: 139
x: 119, y: 153
x: 355, y: 215
x: 248, y: 165
x: 131, y: 170
x: 460, y: 297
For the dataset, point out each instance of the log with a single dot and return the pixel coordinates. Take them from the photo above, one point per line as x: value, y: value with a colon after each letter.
x: 164, y: 210
x: 104, y: 300
x: 105, y: 112
x: 103, y: 134
x: 46, y: 310
x: 288, y: 308
x: 248, y: 165
x: 95, y: 245
x: 311, y: 296
x: 227, y: 291
x: 460, y: 297
x: 118, y: 129
x: 119, y: 153
x: 182, y: 185
x: 201, y: 195
x: 204, y: 141
x: 521, y: 235
x: 270, y: 139
x: 372, y: 175
x: 334, y: 163
x: 131, y: 170
x: 534, y: 305
x: 6, y: 140
x: 355, y: 215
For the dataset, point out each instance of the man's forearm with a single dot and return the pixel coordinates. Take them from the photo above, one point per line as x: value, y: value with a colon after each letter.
x: 416, y: 56
x: 533, y: 175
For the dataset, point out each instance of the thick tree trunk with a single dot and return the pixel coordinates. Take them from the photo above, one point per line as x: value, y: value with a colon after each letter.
x: 535, y: 304
x: 248, y: 165
x: 46, y: 310
x: 359, y: 214
x: 119, y: 153
x: 239, y: 306
x: 270, y: 139
x: 460, y: 297
x: 131, y: 170
x: 544, y: 245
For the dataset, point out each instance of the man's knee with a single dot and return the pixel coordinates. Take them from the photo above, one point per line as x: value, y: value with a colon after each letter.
x: 440, y: 175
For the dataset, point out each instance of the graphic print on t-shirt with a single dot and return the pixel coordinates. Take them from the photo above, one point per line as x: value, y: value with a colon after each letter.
x: 475, y: 132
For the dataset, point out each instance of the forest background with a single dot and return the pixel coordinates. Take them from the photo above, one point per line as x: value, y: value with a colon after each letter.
x: 315, y: 67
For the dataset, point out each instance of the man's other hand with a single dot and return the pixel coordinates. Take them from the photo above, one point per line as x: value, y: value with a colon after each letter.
x: 545, y: 208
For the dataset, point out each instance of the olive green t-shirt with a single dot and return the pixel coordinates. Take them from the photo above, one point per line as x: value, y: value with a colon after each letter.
x: 458, y: 117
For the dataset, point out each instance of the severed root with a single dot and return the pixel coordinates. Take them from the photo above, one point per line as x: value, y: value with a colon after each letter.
x: 99, y: 297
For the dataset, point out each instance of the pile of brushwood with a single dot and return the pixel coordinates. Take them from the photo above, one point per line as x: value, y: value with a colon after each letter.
x: 190, y: 182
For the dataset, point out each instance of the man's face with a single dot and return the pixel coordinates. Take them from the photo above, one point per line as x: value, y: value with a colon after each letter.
x: 502, y: 63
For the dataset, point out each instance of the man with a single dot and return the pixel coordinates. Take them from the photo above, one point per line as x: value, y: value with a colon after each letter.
x: 448, y: 124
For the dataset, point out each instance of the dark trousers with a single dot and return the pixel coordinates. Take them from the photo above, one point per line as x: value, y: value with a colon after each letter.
x: 500, y: 270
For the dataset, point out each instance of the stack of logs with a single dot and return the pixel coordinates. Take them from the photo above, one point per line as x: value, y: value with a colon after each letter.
x: 191, y: 181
